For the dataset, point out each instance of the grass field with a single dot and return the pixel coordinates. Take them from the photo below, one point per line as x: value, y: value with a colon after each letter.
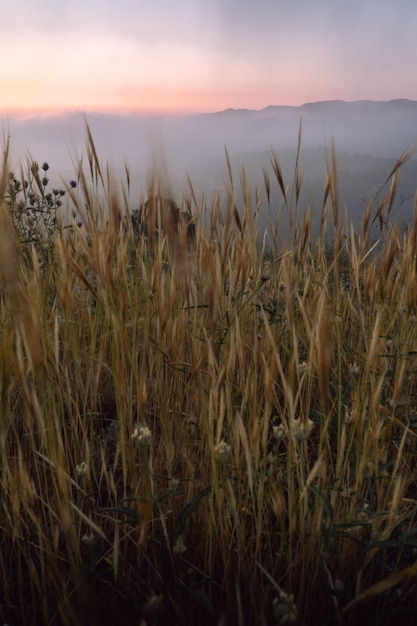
x: 206, y: 432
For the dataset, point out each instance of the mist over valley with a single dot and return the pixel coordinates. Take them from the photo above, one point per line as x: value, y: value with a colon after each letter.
x: 368, y: 137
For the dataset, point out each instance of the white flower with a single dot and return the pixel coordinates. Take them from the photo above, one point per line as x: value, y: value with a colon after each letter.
x: 302, y: 428
x: 284, y: 608
x: 354, y: 369
x: 82, y: 469
x: 303, y: 367
x: 88, y: 538
x: 223, y: 451
x: 280, y: 432
x: 142, y: 435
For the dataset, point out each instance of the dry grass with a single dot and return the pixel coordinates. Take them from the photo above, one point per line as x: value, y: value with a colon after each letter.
x: 207, y: 433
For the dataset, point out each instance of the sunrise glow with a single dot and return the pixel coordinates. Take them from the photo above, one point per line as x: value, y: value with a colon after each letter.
x: 203, y: 57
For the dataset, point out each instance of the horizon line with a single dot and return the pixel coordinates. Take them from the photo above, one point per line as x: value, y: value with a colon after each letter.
x: 42, y: 113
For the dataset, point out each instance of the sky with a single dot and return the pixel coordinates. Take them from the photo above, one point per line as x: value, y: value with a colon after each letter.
x: 192, y: 56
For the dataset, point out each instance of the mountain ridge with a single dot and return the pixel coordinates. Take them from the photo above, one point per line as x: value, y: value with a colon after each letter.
x: 324, y: 106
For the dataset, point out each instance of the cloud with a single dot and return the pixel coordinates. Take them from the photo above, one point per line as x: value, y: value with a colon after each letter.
x: 240, y: 52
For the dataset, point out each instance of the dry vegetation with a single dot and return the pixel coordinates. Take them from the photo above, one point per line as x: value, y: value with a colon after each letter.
x: 206, y: 433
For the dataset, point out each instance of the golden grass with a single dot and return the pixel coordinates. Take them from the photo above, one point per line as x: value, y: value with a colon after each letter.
x: 206, y: 433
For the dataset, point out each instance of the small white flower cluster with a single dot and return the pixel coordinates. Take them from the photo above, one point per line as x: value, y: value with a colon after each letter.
x: 280, y: 432
x: 223, y: 452
x: 302, y: 428
x: 142, y: 435
x: 354, y: 369
x: 285, y: 609
x: 89, y: 538
x: 81, y: 469
x: 303, y: 368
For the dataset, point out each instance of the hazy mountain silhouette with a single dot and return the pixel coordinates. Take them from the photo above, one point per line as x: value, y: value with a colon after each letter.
x: 369, y: 136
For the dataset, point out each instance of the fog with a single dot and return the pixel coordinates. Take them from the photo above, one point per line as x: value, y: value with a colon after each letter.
x: 368, y: 136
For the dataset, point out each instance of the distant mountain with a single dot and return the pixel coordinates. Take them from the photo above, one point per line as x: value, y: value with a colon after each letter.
x: 368, y: 135
x: 382, y: 128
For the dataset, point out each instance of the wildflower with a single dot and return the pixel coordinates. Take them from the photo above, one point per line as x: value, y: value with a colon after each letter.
x: 82, y: 469
x: 45, y: 167
x: 302, y: 429
x: 223, y: 452
x: 280, y: 432
x: 73, y: 183
x: 354, y: 369
x: 284, y: 608
x: 179, y: 546
x: 142, y: 435
x: 303, y: 368
x: 88, y: 539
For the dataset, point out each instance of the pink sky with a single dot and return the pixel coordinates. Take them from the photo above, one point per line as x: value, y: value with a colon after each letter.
x: 203, y: 55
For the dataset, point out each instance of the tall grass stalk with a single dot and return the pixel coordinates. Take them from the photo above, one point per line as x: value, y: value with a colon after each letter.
x: 208, y: 432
